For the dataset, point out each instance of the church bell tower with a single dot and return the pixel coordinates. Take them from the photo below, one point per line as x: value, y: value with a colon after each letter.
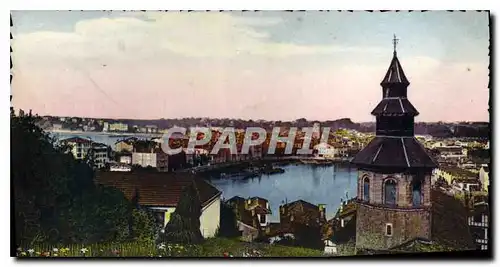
x: 394, y: 172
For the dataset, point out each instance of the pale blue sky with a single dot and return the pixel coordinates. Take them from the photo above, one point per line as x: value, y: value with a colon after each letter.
x: 437, y: 46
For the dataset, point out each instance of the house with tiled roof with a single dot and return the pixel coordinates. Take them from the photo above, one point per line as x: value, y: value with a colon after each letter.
x: 125, y: 145
x: 160, y: 192
x: 252, y: 215
x: 302, y: 212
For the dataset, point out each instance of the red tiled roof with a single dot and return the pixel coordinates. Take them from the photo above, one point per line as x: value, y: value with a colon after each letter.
x: 157, y: 189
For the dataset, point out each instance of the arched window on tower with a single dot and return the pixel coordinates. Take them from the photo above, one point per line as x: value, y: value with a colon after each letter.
x: 366, y: 189
x: 417, y: 193
x: 390, y: 192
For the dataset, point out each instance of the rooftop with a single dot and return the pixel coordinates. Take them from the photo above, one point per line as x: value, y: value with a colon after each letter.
x: 157, y: 189
x: 405, y: 152
x: 458, y: 172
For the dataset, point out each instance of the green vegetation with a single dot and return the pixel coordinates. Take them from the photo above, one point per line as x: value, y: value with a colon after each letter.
x: 55, y: 198
x: 215, y: 247
x: 184, y: 225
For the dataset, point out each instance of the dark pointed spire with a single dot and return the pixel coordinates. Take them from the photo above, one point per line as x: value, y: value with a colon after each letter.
x: 395, y: 74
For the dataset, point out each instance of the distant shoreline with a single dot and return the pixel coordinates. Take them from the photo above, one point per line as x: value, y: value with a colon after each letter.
x: 100, y: 133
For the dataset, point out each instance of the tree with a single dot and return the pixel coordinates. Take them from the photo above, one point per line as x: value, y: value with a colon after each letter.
x: 184, y: 224
x: 228, y: 222
x: 308, y: 236
x: 55, y: 198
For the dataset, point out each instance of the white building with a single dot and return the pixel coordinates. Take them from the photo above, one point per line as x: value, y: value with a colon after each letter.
x: 101, y: 155
x: 144, y: 159
x: 325, y: 151
x: 126, y: 159
x: 484, y: 177
x: 79, y: 146
x: 105, y: 127
x: 164, y: 193
x: 330, y: 247
x: 120, y: 168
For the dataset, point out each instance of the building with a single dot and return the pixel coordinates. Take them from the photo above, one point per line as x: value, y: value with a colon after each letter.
x: 161, y: 193
x: 394, y: 172
x: 252, y: 216
x: 57, y: 127
x: 302, y: 212
x: 79, y: 146
x: 478, y: 224
x: 100, y: 153
x: 125, y: 145
x: 105, y: 126
x: 151, y: 129
x: 454, y: 175
x: 126, y: 159
x: 484, y: 177
x: 155, y: 159
x: 118, y: 127
x: 149, y: 154
x: 120, y: 167
x: 452, y: 153
x: 325, y: 151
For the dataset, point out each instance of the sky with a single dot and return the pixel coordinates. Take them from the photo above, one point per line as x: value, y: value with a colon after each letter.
x: 272, y: 65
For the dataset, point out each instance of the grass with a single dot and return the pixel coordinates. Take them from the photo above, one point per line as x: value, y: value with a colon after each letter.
x: 214, y: 247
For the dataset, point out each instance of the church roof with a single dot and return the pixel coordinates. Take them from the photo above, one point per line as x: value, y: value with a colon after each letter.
x: 399, y: 152
x: 395, y: 73
x: 395, y: 105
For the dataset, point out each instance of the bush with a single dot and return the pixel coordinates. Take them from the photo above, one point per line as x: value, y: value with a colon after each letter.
x: 184, y: 224
x: 144, y: 228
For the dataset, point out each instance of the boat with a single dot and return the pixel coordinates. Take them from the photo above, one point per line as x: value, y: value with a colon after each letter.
x: 273, y: 171
x: 238, y: 175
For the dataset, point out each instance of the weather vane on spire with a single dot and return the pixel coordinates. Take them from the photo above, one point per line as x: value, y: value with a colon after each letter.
x: 395, y: 42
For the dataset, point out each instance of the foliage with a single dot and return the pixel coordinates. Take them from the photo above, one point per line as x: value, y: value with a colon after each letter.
x: 228, y: 222
x: 184, y: 224
x: 308, y: 236
x: 214, y: 247
x: 55, y: 199
x: 144, y: 228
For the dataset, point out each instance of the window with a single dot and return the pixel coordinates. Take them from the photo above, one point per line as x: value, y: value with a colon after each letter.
x: 262, y: 218
x: 366, y: 189
x: 388, y: 229
x: 417, y: 193
x: 390, y: 192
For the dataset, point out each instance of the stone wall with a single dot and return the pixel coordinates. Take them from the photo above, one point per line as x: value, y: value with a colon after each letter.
x: 406, y: 224
x: 403, y: 190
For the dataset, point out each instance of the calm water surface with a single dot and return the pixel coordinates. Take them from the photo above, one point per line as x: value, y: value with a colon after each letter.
x: 314, y: 184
